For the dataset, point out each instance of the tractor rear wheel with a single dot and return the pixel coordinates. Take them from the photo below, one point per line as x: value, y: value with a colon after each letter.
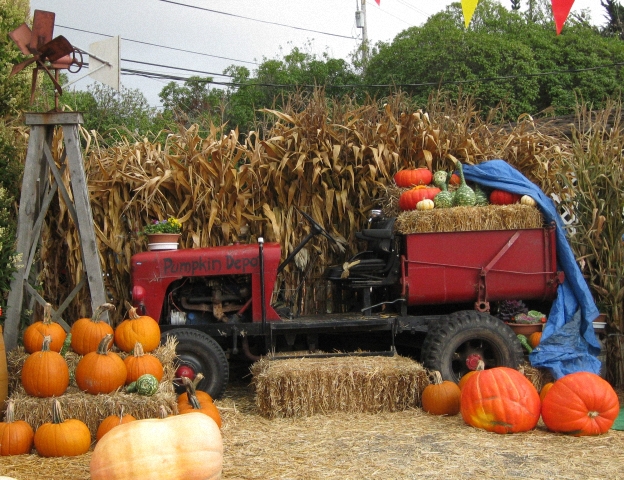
x: 202, y: 354
x: 455, y: 345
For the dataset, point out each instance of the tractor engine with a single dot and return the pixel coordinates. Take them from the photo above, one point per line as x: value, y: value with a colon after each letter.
x: 196, y: 300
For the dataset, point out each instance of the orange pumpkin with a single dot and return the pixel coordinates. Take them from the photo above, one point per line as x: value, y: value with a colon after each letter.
x: 194, y: 405
x: 137, y: 328
x: 413, y: 176
x: 500, y: 197
x: 16, y: 437
x: 464, y: 379
x: 500, y: 400
x: 140, y: 363
x: 33, y: 335
x: 111, y: 422
x: 545, y: 389
x: 455, y: 179
x: 45, y: 373
x: 410, y: 198
x: 534, y: 339
x: 441, y: 397
x: 200, y: 394
x: 62, y: 438
x: 579, y: 404
x: 101, y: 371
x: 87, y: 332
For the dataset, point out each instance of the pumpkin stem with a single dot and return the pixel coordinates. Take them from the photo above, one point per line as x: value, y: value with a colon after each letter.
x: 190, y: 393
x: 480, y: 365
x: 593, y: 414
x: 47, y: 314
x: 104, y: 343
x: 47, y: 339
x: 57, y: 413
x: 9, y: 416
x: 437, y: 377
x: 100, y: 310
x: 132, y: 312
x: 138, y: 349
x: 198, y: 378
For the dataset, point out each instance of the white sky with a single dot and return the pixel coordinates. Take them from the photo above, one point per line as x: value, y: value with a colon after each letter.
x: 243, y: 42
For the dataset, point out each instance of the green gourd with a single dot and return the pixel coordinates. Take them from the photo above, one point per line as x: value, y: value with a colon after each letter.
x: 444, y: 199
x: 464, y: 195
x: 440, y: 178
x: 66, y: 345
x: 524, y: 341
x: 481, y: 197
x: 144, y: 385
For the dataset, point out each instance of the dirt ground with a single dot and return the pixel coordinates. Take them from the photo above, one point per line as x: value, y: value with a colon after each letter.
x: 404, y: 445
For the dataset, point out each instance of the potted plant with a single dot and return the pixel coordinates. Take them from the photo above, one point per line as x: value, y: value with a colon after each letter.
x: 163, y: 234
x: 519, y: 318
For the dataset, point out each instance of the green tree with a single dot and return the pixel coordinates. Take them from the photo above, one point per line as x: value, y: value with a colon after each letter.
x: 615, y: 18
x: 502, y: 57
x: 193, y: 102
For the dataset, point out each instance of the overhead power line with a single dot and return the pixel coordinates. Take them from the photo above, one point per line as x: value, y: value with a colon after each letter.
x: 160, y: 46
x: 256, y: 20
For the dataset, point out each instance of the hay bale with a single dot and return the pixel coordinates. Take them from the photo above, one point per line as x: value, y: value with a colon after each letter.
x: 462, y: 219
x: 92, y: 409
x: 309, y: 386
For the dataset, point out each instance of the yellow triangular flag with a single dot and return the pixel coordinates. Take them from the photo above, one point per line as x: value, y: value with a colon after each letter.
x: 468, y: 7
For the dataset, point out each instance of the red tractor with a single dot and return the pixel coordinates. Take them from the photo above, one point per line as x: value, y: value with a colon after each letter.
x: 427, y: 293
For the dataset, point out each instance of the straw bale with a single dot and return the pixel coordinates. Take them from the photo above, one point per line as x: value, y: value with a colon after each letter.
x: 462, y: 219
x: 92, y: 409
x: 309, y: 386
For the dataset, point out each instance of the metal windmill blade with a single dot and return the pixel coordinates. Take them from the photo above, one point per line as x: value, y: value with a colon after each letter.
x: 47, y: 53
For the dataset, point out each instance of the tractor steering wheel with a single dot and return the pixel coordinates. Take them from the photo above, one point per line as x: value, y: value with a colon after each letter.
x: 316, y: 227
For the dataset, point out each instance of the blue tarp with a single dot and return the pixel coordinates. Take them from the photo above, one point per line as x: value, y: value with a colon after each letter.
x: 568, y: 342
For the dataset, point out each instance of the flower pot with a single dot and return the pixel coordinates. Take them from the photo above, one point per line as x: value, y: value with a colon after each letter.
x: 525, y: 328
x: 162, y: 241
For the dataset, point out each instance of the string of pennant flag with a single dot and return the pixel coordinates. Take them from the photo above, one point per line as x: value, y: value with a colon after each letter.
x: 561, y: 10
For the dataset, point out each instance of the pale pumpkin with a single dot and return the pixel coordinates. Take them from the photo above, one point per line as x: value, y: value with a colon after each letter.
x: 426, y: 204
x: 527, y: 200
x: 186, y: 447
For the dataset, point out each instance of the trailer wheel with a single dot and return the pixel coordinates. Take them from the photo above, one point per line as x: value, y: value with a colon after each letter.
x: 455, y: 346
x: 201, y: 352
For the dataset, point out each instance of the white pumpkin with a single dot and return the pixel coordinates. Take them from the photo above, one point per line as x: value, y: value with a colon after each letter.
x: 527, y: 200
x: 425, y: 204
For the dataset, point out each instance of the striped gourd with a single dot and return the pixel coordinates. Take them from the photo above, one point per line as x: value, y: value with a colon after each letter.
x: 464, y: 195
x: 481, y: 197
x: 444, y: 199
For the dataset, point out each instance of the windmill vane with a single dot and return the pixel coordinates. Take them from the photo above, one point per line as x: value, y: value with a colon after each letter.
x: 47, y: 53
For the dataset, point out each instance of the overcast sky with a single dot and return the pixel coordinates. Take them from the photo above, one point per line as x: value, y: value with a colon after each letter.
x: 243, y: 34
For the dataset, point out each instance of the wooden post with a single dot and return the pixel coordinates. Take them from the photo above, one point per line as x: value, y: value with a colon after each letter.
x: 36, y: 197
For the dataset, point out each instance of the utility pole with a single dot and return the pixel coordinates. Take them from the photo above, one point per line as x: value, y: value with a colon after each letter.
x: 360, y: 22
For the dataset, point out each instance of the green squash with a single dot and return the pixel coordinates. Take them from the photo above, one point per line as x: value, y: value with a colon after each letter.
x: 144, y: 385
x: 464, y: 195
x: 440, y: 178
x: 444, y: 199
x: 481, y: 197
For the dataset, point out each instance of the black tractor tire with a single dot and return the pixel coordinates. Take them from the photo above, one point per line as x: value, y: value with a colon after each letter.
x: 202, y: 352
x: 448, y: 344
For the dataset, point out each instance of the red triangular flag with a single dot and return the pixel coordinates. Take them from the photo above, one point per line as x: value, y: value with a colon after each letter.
x: 561, y: 10
x: 378, y: 2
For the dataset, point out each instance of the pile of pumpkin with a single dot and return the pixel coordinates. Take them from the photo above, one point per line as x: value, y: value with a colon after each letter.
x: 442, y: 189
x: 193, y: 442
x: 503, y: 400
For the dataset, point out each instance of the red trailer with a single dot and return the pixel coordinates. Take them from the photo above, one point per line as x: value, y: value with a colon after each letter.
x: 430, y: 293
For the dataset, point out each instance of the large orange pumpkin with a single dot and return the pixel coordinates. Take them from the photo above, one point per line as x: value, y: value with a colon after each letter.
x: 441, y: 397
x: 410, y: 198
x: 33, y: 335
x: 111, y: 422
x: 137, y: 328
x: 500, y: 400
x: 87, y: 332
x: 413, y: 176
x: 544, y: 390
x: 101, y: 371
x: 16, y: 436
x: 464, y: 379
x: 45, y: 373
x: 176, y: 447
x: 62, y: 438
x: 579, y: 404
